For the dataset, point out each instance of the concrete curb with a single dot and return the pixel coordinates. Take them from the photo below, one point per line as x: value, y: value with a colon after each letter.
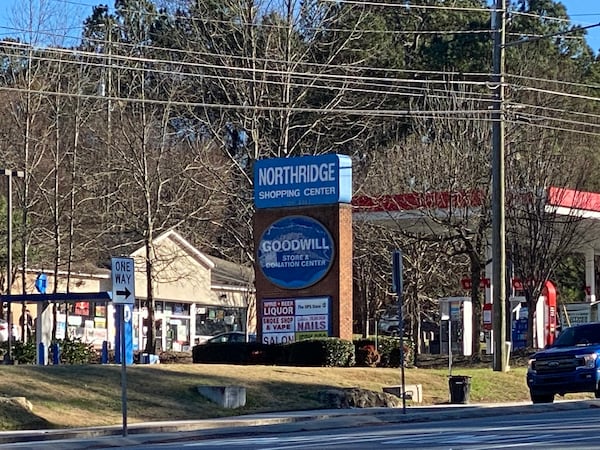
x: 152, y: 432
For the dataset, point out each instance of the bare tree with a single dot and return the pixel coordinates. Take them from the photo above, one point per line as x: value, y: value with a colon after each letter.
x: 444, y: 167
x: 538, y: 237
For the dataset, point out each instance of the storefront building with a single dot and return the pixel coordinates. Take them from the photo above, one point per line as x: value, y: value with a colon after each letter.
x: 195, y: 296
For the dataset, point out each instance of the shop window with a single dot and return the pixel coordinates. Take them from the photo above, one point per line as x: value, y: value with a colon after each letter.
x: 82, y: 308
x: 211, y: 320
x: 100, y: 310
x: 181, y: 309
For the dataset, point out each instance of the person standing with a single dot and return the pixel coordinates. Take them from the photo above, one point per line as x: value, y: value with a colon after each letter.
x: 26, y: 322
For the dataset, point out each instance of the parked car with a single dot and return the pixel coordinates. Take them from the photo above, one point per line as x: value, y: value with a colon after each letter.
x: 16, y: 333
x: 3, y: 330
x: 389, y: 324
x: 230, y: 336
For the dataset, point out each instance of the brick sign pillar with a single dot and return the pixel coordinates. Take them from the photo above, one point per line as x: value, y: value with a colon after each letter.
x: 303, y: 241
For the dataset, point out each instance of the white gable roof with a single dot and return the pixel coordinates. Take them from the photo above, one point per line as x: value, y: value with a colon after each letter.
x: 184, y: 244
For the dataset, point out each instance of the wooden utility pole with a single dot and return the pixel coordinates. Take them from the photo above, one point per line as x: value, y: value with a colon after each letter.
x: 498, y: 223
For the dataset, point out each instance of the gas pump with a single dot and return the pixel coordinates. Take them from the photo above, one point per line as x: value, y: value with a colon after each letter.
x: 458, y: 327
x: 518, y: 321
x: 545, y: 319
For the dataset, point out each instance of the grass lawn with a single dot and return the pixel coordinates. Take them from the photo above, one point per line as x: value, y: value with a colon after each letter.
x: 76, y: 396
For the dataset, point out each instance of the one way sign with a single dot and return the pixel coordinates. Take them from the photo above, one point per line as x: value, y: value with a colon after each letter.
x: 123, y: 280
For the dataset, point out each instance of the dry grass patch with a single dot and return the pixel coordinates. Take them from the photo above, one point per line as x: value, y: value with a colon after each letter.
x: 73, y: 396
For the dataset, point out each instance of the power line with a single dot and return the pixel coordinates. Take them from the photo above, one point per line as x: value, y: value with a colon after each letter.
x: 547, y: 80
x: 574, y: 29
x: 520, y: 105
x: 225, y: 106
x: 251, y: 70
x: 557, y: 93
x: 549, y: 127
x: 381, y: 85
x: 410, y: 6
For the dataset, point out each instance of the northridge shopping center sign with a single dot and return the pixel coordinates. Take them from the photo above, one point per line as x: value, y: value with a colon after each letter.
x: 302, y: 206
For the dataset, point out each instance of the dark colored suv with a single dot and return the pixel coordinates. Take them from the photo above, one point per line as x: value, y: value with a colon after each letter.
x: 571, y: 364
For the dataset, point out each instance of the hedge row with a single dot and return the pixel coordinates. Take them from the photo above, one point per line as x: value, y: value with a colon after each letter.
x: 72, y: 351
x: 322, y: 352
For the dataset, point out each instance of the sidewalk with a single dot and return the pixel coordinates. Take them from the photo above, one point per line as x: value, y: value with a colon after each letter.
x: 140, y: 433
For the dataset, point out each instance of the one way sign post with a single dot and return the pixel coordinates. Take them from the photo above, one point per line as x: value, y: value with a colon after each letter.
x: 123, y: 294
x: 123, y: 280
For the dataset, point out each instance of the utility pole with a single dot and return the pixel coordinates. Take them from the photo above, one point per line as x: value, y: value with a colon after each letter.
x: 9, y: 174
x: 500, y: 349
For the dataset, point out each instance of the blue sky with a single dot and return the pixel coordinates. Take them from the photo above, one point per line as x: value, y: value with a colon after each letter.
x: 66, y: 16
x: 72, y: 13
x: 586, y: 12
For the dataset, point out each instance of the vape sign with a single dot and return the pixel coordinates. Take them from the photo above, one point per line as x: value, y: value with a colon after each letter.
x: 294, y: 319
x: 295, y: 252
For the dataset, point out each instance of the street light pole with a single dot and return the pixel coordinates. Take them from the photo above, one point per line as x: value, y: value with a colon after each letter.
x: 9, y: 174
x: 500, y: 362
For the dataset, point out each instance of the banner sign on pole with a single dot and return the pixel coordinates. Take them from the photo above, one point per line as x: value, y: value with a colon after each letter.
x: 397, y: 271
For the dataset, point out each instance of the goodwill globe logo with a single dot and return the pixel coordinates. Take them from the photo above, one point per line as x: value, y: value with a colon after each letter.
x: 295, y: 252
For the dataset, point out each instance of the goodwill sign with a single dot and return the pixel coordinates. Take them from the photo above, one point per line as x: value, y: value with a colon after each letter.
x: 295, y: 252
x: 307, y: 180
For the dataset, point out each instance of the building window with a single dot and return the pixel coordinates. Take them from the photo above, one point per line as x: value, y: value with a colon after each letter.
x: 211, y: 320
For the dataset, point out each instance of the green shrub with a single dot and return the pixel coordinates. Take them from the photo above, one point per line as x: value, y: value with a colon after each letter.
x: 73, y: 351
x: 237, y: 353
x: 24, y: 352
x: 323, y: 352
x: 389, y: 349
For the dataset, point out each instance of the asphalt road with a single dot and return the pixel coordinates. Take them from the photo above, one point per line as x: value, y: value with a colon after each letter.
x: 564, y: 430
x: 572, y: 424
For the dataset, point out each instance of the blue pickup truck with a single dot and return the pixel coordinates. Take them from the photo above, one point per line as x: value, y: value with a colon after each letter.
x: 571, y: 364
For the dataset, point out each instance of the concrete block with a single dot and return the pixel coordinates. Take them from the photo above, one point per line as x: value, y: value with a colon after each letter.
x: 225, y: 396
x: 412, y: 392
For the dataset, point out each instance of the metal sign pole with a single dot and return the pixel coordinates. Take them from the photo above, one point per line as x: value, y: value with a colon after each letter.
x: 398, y: 287
x: 123, y: 371
x: 450, y: 345
x: 123, y: 293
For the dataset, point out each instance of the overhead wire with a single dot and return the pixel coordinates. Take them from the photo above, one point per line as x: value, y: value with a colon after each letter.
x: 115, y: 57
x: 406, y: 6
x: 409, y: 6
x: 189, y: 52
x: 338, y: 78
x: 254, y: 70
x: 538, y: 117
x: 515, y: 105
x: 226, y: 106
x: 549, y: 127
x: 386, y: 86
x: 400, y: 91
x: 549, y: 80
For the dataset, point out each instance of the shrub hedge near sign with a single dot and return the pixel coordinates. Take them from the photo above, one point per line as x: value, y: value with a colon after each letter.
x: 320, y: 352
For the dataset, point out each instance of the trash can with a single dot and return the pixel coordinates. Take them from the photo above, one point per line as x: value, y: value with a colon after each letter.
x: 460, y: 388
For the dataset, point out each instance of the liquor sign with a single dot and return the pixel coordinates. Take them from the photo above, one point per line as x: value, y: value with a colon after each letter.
x: 295, y: 252
x: 307, y: 180
x: 294, y: 319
